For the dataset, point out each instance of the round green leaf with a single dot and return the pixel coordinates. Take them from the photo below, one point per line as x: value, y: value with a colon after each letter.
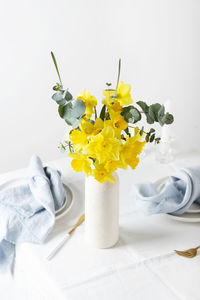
x: 143, y: 106
x: 131, y: 114
x: 58, y: 97
x: 168, y: 119
x: 153, y: 111
x: 73, y: 112
x: 67, y: 95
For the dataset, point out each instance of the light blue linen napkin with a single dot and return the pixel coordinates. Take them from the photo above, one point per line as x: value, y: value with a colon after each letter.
x: 27, y: 212
x: 175, y: 196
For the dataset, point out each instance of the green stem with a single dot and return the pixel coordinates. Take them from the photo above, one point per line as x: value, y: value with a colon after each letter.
x: 56, y: 66
x: 119, y: 70
x: 118, y: 76
x: 95, y: 111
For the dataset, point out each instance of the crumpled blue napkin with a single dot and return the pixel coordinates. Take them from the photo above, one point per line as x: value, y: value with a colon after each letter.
x: 27, y: 212
x: 175, y: 196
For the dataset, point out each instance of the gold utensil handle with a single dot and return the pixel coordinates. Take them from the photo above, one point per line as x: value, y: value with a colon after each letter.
x: 80, y: 221
x: 190, y: 253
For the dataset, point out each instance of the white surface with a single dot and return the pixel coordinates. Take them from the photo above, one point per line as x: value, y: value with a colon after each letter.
x: 157, y: 40
x: 101, y: 212
x: 141, y: 266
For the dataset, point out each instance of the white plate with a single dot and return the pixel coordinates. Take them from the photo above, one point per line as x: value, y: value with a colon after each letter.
x: 60, y: 212
x: 186, y: 217
x: 67, y: 205
x: 192, y: 215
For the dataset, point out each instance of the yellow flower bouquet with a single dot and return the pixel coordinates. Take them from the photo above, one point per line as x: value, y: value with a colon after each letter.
x: 100, y: 144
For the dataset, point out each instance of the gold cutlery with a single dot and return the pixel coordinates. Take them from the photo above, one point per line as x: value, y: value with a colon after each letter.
x: 190, y: 253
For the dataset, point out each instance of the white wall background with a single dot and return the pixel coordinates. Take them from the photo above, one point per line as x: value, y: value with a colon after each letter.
x: 158, y: 41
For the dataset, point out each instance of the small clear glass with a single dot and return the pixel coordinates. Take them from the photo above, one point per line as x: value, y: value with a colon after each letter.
x: 164, y: 151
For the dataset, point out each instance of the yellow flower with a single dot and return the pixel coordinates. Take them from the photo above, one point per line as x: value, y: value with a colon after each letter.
x: 79, y: 140
x: 91, y: 129
x: 101, y: 174
x: 112, y: 104
x: 90, y: 102
x: 104, y: 146
x: 131, y: 149
x: 80, y: 162
x: 108, y: 97
x: 112, y: 165
x: 116, y: 107
x: 98, y: 126
x: 123, y: 94
x: 117, y: 122
x: 86, y: 126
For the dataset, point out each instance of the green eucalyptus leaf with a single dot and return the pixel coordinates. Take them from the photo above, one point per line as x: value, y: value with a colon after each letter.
x: 73, y: 112
x: 102, y: 113
x: 73, y: 122
x: 131, y: 114
x: 152, y: 138
x: 143, y: 106
x: 145, y: 109
x: 151, y: 130
x: 142, y: 131
x: 161, y: 113
x: 169, y: 119
x: 78, y: 108
x: 147, y: 137
x: 153, y: 111
x: 162, y: 121
x: 149, y: 119
x: 61, y: 110
x: 67, y: 95
x: 157, y: 140
x: 58, y: 97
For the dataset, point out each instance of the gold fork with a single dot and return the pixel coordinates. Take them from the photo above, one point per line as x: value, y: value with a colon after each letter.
x: 190, y: 253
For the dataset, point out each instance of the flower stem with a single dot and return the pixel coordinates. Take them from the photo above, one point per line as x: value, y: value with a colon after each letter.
x: 56, y: 66
x: 118, y: 76
x: 95, y: 112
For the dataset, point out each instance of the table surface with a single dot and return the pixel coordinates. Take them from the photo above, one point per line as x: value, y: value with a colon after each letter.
x: 142, y: 265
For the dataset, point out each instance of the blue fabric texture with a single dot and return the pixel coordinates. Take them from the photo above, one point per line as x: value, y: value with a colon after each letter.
x: 27, y: 212
x: 175, y: 195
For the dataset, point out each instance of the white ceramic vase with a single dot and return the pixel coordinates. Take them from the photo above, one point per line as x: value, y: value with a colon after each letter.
x: 101, y: 212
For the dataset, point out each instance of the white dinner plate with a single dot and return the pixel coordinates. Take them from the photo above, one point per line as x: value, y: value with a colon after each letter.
x: 60, y: 212
x: 192, y: 215
x: 186, y: 217
x: 67, y: 205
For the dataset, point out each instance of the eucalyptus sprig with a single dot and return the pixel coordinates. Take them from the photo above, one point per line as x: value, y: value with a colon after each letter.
x: 69, y: 109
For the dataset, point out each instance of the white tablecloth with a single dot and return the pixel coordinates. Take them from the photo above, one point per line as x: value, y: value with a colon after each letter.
x: 141, y: 266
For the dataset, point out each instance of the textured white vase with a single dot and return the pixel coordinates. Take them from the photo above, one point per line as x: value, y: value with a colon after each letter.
x: 101, y: 212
